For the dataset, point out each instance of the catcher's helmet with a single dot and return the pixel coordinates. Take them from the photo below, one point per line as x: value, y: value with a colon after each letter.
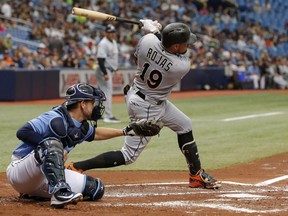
x: 177, y: 33
x: 83, y: 91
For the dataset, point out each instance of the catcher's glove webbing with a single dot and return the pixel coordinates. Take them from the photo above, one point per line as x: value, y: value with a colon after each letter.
x: 143, y: 127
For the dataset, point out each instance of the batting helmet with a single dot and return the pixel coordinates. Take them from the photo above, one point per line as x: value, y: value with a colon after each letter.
x: 110, y: 28
x: 177, y: 33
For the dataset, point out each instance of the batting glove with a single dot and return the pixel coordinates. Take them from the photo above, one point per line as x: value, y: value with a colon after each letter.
x: 150, y: 26
x: 128, y: 131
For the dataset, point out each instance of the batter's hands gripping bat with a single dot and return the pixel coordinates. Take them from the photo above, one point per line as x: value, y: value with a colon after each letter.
x: 101, y: 16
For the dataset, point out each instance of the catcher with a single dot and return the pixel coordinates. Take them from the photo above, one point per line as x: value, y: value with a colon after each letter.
x: 37, y: 164
x: 162, y: 61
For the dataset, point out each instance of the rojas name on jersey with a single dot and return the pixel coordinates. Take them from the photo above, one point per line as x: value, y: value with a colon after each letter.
x: 159, y: 59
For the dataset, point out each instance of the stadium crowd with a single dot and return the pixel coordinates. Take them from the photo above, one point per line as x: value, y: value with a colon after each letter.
x: 242, y: 45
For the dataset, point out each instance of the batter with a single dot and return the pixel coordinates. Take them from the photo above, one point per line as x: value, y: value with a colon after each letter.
x: 161, y: 64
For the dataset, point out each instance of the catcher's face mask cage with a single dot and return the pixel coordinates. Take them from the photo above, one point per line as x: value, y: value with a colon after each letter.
x: 83, y: 91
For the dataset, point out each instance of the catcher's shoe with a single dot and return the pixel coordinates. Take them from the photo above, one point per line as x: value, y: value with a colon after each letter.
x: 203, y: 180
x: 31, y: 197
x: 70, y: 166
x: 64, y: 197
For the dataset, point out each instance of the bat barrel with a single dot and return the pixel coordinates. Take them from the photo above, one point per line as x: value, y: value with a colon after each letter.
x: 101, y: 16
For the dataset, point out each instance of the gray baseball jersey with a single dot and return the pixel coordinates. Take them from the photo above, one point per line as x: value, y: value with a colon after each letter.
x: 158, y: 70
x: 157, y: 73
x: 108, y: 49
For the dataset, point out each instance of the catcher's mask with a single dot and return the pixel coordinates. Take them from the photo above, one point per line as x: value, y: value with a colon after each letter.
x: 83, y: 91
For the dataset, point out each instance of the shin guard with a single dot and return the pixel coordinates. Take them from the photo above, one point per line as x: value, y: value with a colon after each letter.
x: 50, y: 157
x: 188, y: 147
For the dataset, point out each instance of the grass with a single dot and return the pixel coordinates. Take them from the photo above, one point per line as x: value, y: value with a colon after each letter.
x: 220, y: 144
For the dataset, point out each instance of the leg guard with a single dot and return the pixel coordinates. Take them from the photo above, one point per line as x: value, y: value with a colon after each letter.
x: 50, y: 157
x: 105, y: 160
x: 94, y: 189
x: 188, y: 147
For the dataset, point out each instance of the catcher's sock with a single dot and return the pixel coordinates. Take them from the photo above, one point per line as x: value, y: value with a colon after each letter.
x: 105, y: 160
x: 189, y: 148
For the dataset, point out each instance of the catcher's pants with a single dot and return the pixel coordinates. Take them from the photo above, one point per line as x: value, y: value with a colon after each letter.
x: 139, y: 108
x: 25, y: 176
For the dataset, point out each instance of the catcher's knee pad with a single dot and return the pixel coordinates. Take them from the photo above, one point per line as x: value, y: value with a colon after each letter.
x: 50, y: 157
x: 94, y: 189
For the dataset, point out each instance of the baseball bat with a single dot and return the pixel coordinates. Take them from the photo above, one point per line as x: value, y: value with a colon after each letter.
x: 101, y: 16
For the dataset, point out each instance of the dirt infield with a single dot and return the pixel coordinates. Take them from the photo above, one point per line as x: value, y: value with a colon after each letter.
x: 257, y: 188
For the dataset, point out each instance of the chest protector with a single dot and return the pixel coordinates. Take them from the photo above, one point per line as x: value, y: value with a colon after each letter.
x: 74, y: 135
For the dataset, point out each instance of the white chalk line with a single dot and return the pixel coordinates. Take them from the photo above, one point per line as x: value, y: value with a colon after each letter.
x: 271, y: 181
x: 187, y: 204
x: 171, y: 183
x: 264, y: 183
x: 251, y: 116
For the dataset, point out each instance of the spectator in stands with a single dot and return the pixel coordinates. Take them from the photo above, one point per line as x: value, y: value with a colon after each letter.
x: 283, y: 67
x: 19, y: 58
x: 240, y: 75
x: 264, y: 73
x: 6, y: 57
x: 225, y: 17
x: 267, y: 6
x: 241, y: 43
x: 257, y: 7
x: 253, y: 73
x: 279, y: 80
x: 2, y: 47
x: 230, y: 72
x: 3, y: 64
x: 56, y: 44
x: 6, y: 9
x: 8, y: 42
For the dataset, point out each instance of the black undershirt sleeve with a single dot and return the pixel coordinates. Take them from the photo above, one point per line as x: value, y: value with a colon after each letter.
x: 101, y: 62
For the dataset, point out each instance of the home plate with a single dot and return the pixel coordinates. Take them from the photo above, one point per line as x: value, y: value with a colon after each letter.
x: 242, y: 195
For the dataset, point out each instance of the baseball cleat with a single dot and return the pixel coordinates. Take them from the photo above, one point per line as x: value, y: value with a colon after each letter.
x: 65, y: 197
x: 111, y: 120
x: 70, y: 166
x: 203, y: 180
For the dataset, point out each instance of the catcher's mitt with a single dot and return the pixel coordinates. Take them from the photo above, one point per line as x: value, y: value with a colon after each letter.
x: 143, y: 127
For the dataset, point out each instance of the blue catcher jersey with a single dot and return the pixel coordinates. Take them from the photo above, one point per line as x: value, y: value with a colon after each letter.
x: 42, y: 126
